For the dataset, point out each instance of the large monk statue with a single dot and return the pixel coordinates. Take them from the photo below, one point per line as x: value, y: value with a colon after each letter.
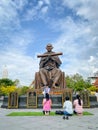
x: 49, y: 72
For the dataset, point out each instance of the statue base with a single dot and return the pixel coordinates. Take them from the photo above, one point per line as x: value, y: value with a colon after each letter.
x: 22, y: 102
x: 34, y: 98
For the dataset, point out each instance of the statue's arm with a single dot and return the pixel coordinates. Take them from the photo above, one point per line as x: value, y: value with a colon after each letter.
x: 57, y: 61
x: 43, y: 61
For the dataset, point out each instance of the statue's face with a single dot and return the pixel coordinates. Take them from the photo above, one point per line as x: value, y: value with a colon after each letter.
x: 49, y: 48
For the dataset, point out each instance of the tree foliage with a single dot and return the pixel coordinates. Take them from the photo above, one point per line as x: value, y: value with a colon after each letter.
x: 93, y: 88
x: 22, y: 90
x: 76, y: 82
x: 6, y: 82
x: 6, y: 90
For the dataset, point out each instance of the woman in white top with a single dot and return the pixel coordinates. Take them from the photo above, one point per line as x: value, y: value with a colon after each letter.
x: 68, y: 108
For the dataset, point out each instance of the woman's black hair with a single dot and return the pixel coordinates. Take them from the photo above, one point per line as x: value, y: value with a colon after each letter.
x: 47, y: 96
x: 79, y: 99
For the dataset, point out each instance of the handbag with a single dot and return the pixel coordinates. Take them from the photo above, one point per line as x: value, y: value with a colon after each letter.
x: 59, y: 112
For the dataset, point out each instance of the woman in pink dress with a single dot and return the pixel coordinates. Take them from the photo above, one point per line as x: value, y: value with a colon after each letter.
x: 47, y: 104
x: 78, y: 105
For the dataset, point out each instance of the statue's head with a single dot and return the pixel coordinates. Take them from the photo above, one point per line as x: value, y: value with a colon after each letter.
x: 49, y: 47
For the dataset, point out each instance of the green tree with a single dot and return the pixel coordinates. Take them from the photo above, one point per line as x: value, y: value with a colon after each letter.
x: 6, y: 90
x: 22, y: 90
x: 6, y: 82
x: 17, y: 82
x: 76, y: 82
x: 92, y: 88
x: 69, y: 82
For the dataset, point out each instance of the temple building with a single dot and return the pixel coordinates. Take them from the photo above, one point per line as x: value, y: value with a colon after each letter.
x: 5, y: 72
x: 96, y: 83
x: 93, y: 78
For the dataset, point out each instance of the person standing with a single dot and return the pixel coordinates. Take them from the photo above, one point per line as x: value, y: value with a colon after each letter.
x: 47, y: 103
x: 46, y: 90
x: 68, y: 108
x: 78, y: 105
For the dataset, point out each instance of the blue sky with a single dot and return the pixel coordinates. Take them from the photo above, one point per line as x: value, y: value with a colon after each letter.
x: 26, y: 26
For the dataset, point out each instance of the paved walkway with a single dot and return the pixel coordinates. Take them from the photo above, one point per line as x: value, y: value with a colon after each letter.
x: 47, y: 122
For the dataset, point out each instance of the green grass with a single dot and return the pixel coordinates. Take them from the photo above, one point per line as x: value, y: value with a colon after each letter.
x: 39, y: 114
x: 85, y: 113
x: 29, y: 114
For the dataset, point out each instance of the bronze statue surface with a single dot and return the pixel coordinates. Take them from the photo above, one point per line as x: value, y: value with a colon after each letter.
x: 49, y: 72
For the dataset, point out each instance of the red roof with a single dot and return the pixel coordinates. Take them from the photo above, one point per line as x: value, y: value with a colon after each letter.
x: 96, y: 82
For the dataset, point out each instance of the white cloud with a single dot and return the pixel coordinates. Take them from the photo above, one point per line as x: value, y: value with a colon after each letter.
x: 36, y: 11
x: 47, y: 2
x: 93, y: 64
x: 88, y: 9
x: 22, y: 39
x: 77, y: 39
x: 40, y: 3
x: 19, y: 67
x: 30, y: 14
x: 44, y: 9
x: 19, y: 4
x: 8, y: 14
x: 92, y: 59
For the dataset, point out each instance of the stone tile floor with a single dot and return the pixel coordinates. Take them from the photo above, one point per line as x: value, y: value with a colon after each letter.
x: 48, y: 122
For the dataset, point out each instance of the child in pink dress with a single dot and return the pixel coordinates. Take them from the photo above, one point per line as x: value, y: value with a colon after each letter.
x: 47, y: 104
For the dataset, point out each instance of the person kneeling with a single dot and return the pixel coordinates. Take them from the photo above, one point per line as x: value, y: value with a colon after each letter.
x: 47, y: 105
x: 68, y: 108
x: 78, y: 105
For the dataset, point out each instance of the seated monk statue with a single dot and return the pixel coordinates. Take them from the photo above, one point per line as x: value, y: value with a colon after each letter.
x: 49, y: 72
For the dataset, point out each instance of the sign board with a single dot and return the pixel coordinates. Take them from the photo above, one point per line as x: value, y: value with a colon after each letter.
x: 31, y: 99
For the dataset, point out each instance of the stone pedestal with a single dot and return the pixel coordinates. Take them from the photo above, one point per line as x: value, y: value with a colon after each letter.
x: 5, y: 102
x: 1, y: 100
x: 22, y: 101
x: 93, y: 101
x: 57, y: 101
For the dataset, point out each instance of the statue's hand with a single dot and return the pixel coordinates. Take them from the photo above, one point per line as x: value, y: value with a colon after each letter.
x: 49, y: 57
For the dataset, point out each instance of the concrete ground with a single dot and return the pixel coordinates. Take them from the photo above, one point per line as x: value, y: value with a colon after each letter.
x: 47, y: 122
